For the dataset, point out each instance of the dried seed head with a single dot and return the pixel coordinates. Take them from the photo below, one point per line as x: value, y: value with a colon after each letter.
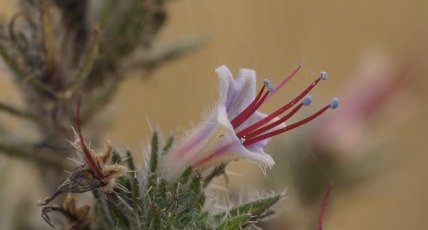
x: 84, y: 178
x: 76, y: 218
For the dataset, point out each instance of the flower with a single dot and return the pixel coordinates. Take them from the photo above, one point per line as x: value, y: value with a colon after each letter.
x: 236, y: 129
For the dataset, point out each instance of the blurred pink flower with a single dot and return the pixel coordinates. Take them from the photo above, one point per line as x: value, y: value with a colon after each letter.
x: 236, y: 129
x: 375, y: 83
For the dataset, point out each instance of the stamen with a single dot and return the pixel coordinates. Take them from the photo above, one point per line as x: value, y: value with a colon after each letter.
x: 333, y: 104
x: 251, y: 108
x: 281, y: 84
x: 88, y: 156
x: 280, y: 110
x: 244, y: 115
x: 306, y: 101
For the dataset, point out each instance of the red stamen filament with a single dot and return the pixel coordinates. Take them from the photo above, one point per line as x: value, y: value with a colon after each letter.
x: 287, y: 128
x: 280, y: 85
x: 252, y: 107
x: 278, y: 111
x: 256, y: 103
x: 90, y: 161
x: 273, y: 124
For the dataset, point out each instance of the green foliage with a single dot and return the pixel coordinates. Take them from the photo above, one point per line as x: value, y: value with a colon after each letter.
x: 144, y: 200
x: 217, y: 171
x: 252, y: 211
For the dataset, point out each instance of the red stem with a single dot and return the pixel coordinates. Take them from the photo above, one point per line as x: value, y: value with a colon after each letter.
x: 92, y: 164
x: 324, y: 207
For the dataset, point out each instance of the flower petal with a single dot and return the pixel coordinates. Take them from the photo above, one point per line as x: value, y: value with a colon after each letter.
x: 236, y: 94
x: 245, y: 85
x: 228, y: 148
x: 225, y: 87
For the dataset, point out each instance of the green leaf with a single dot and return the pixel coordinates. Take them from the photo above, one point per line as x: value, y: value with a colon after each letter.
x: 162, y: 190
x: 255, y: 210
x: 116, y: 158
x: 168, y: 145
x: 235, y: 222
x: 195, y: 185
x: 130, y: 161
x: 217, y: 171
x: 184, y: 178
x: 154, y: 153
x: 153, y: 163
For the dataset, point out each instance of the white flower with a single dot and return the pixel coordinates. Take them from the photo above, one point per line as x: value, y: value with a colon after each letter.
x: 235, y: 129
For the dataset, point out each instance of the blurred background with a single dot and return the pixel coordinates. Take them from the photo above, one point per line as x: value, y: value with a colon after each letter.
x: 367, y: 47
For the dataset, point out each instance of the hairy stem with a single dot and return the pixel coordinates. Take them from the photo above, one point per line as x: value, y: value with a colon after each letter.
x: 28, y: 152
x: 4, y: 107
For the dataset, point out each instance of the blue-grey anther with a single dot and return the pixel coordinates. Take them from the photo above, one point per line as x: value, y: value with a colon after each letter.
x: 268, y: 84
x: 307, y: 100
x: 334, y: 103
x: 323, y: 75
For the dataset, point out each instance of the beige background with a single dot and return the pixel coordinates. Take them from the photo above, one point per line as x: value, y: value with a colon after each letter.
x: 273, y: 37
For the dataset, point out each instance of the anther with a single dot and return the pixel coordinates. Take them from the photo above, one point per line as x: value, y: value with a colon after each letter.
x: 268, y: 84
x: 323, y: 75
x: 334, y: 103
x: 307, y: 100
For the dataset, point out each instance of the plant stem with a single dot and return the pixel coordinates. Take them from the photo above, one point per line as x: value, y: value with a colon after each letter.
x: 27, y: 152
x: 16, y: 112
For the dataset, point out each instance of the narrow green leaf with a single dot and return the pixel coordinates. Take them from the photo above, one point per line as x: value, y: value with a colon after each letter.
x: 116, y: 158
x: 154, y: 153
x: 130, y: 161
x: 254, y: 210
x: 184, y: 178
x: 168, y: 145
x: 195, y: 185
x: 217, y: 171
x: 234, y: 222
x: 162, y: 190
x: 153, y: 164
x: 257, y: 207
x: 135, y: 188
